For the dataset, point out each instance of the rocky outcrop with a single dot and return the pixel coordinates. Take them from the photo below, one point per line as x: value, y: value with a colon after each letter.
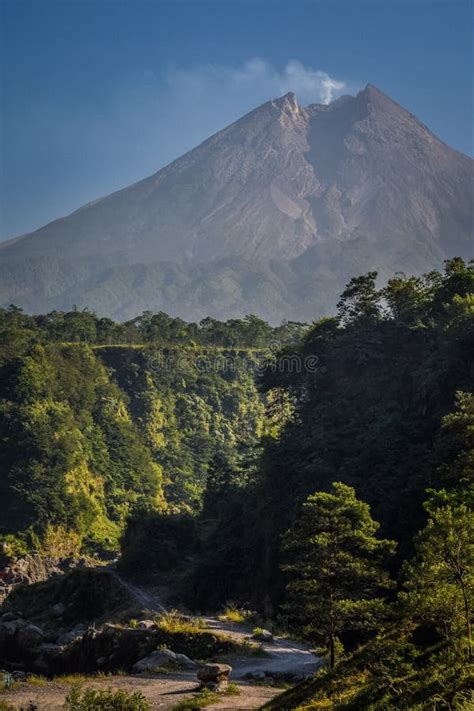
x: 108, y: 648
x: 163, y: 659
x: 215, y: 677
x: 32, y: 568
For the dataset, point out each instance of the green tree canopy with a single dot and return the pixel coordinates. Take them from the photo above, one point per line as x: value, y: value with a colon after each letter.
x: 336, y: 564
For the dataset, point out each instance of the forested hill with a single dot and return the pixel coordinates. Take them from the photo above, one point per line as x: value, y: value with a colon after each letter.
x: 100, y: 420
x: 322, y: 474
x: 93, y: 432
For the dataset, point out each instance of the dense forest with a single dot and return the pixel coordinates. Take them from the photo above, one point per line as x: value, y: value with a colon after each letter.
x: 320, y: 474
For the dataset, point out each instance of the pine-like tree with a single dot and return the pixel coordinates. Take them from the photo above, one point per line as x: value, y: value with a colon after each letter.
x: 337, y: 567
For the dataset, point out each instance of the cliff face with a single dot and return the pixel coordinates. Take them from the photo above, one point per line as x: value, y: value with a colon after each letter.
x: 265, y: 216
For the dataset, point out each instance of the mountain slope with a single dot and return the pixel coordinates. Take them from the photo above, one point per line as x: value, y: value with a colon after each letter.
x: 270, y: 215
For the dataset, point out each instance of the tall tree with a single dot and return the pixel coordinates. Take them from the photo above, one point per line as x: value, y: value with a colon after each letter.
x: 360, y: 300
x: 337, y: 566
x: 440, y: 579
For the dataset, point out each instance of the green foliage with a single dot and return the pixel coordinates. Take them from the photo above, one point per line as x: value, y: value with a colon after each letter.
x: 369, y: 414
x: 173, y: 621
x: 204, y: 698
x: 106, y: 700
x: 71, y: 458
x: 84, y: 326
x: 390, y: 672
x: 92, y: 435
x: 336, y: 567
x: 440, y: 578
x: 234, y: 613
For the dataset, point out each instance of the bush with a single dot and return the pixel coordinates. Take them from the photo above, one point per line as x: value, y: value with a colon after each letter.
x: 173, y: 621
x: 233, y: 613
x: 109, y: 700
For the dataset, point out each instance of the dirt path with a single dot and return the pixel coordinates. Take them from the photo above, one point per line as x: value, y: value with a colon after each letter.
x: 282, y: 656
x: 163, y: 693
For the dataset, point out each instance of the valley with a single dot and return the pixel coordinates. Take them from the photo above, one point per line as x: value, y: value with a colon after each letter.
x: 276, y: 499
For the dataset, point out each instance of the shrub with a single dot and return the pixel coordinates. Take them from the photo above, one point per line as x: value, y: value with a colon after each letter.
x: 258, y: 632
x: 109, y: 700
x: 233, y: 613
x: 173, y: 622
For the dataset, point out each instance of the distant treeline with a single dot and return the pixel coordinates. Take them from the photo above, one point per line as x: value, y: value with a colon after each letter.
x: 86, y: 327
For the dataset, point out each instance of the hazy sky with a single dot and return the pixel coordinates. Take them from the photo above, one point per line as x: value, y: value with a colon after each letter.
x: 96, y: 94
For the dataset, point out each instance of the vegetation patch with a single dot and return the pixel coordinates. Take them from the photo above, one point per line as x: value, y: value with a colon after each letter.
x: 204, y: 698
x: 105, y: 700
x: 234, y: 613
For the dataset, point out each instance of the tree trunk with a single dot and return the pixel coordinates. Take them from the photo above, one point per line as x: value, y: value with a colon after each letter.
x: 467, y: 614
x: 332, y: 651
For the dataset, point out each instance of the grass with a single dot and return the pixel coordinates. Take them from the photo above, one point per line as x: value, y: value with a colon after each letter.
x: 233, y: 613
x: 258, y: 633
x: 81, y: 678
x: 105, y: 700
x: 173, y: 622
x: 232, y: 689
x: 36, y: 680
x: 204, y: 698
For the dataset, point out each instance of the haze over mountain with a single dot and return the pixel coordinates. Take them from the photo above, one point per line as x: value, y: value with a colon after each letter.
x: 272, y: 215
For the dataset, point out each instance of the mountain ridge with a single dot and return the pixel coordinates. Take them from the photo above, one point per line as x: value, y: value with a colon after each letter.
x: 359, y: 183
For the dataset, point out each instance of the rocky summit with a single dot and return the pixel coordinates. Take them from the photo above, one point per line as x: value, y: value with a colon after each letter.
x: 272, y: 215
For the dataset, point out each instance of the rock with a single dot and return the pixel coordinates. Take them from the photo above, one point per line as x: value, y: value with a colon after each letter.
x: 215, y: 676
x: 101, y: 661
x: 47, y: 657
x: 161, y: 658
x: 183, y: 661
x: 18, y: 675
x: 68, y: 637
x: 146, y: 624
x: 51, y: 649
x: 58, y: 610
x: 219, y: 688
x: 30, y: 636
x: 11, y: 628
x: 263, y: 636
x: 256, y: 675
x: 8, y: 617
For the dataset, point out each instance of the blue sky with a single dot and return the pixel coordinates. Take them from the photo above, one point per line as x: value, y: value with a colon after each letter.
x: 97, y: 94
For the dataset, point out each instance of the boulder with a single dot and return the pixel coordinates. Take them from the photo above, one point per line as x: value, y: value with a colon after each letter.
x: 214, y: 676
x: 8, y: 617
x: 58, y: 609
x: 48, y: 658
x: 161, y: 658
x: 30, y: 636
x: 68, y: 637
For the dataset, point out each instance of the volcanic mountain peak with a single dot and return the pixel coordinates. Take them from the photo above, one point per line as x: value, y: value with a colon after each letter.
x: 341, y: 188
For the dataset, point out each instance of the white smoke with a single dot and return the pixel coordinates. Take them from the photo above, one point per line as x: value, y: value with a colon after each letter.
x: 144, y: 121
x: 258, y: 78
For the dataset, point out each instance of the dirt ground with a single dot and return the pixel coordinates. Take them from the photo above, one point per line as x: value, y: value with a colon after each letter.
x: 162, y: 692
